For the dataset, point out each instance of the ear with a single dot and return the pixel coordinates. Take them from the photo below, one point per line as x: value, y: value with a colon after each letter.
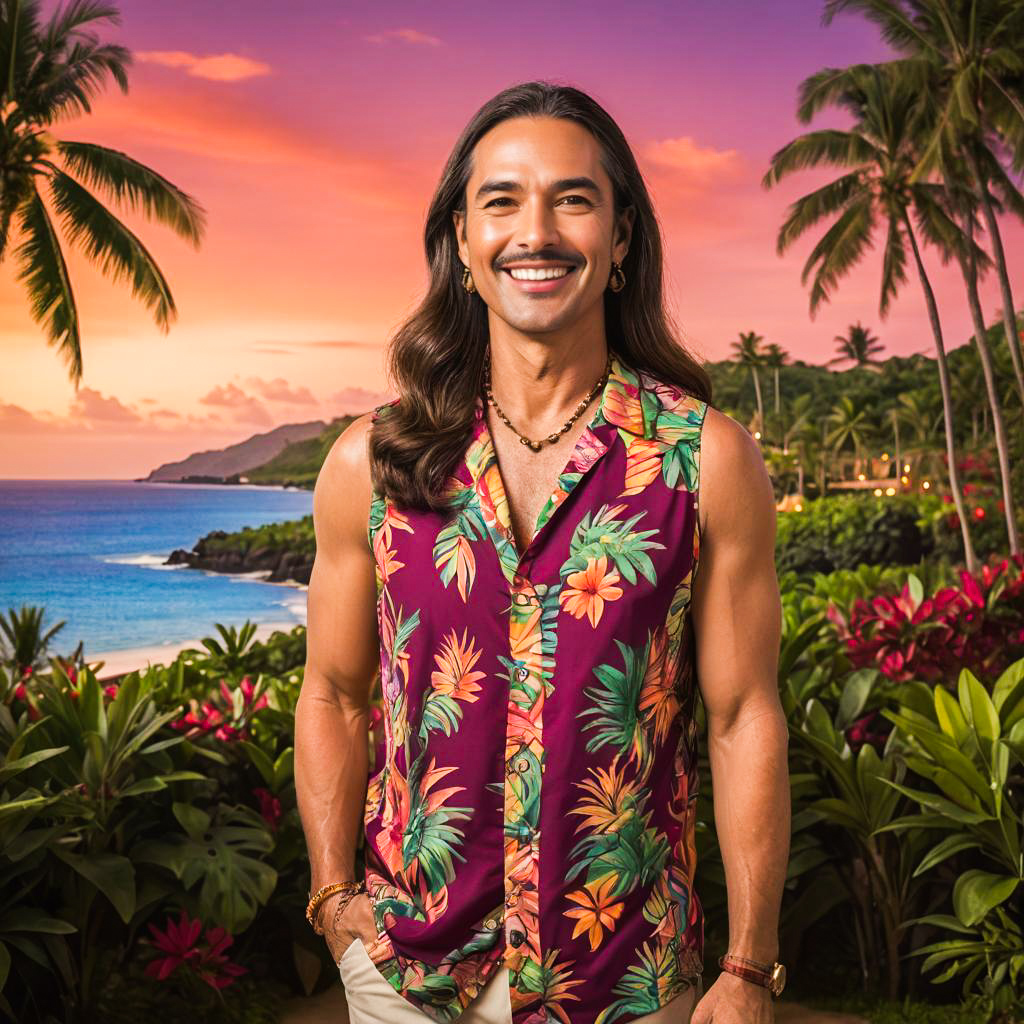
x: 459, y: 222
x: 624, y: 233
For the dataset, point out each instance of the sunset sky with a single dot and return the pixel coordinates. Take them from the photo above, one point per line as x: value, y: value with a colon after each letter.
x: 314, y: 132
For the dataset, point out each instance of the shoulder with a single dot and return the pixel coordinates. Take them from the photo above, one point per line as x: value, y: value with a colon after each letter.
x: 736, y: 492
x: 343, y: 491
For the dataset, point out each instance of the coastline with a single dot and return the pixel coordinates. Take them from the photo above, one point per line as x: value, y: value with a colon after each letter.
x: 117, y: 663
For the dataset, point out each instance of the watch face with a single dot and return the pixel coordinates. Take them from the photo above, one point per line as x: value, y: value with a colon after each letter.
x: 778, y: 978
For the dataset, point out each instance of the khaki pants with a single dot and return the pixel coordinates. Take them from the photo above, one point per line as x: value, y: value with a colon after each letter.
x: 372, y: 1000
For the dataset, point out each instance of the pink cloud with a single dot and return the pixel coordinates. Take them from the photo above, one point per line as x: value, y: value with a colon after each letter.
x: 222, y: 67
x: 246, y: 408
x: 90, y: 404
x: 697, y: 166
x: 279, y: 390
x: 405, y: 35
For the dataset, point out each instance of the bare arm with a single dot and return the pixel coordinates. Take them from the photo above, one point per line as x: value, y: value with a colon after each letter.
x: 342, y: 656
x: 737, y: 622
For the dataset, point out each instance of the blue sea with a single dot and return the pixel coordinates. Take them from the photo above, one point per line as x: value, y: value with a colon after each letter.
x: 91, y: 553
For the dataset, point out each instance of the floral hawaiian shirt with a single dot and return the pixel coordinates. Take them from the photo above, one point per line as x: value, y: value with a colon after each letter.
x: 534, y: 800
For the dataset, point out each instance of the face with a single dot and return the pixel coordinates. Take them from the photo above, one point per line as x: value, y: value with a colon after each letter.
x: 538, y: 195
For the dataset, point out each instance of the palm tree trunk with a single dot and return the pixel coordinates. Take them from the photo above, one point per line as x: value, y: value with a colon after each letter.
x: 1009, y: 313
x: 970, y: 558
x: 896, y: 435
x: 760, y: 402
x: 969, y: 268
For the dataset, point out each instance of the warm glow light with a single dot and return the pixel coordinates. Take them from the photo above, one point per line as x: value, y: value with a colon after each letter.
x: 905, y: 479
x: 885, y: 456
x: 906, y: 467
x: 757, y: 434
x: 878, y: 492
x: 860, y: 476
x: 890, y: 491
x: 926, y: 485
x: 798, y: 507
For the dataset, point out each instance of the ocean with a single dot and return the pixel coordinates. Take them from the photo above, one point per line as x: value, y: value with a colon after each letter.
x: 91, y: 553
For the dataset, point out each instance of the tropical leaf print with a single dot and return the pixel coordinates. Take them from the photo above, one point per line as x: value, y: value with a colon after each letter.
x: 604, y: 534
x: 454, y: 680
x: 430, y: 837
x: 453, y: 549
x: 680, y: 433
x: 648, y: 985
x: 643, y: 465
x: 615, y: 707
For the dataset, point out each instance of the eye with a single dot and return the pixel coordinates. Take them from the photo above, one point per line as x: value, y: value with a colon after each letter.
x: 500, y: 199
x: 584, y: 198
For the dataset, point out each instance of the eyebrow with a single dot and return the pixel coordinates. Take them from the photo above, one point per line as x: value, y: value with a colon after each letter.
x: 563, y: 184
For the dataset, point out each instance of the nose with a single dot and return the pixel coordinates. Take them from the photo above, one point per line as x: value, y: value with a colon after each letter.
x: 536, y: 227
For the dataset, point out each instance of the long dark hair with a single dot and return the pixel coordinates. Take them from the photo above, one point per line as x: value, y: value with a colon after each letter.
x: 436, y: 358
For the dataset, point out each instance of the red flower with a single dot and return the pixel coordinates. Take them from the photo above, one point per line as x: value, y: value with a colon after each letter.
x: 111, y: 690
x: 179, y: 943
x: 270, y: 807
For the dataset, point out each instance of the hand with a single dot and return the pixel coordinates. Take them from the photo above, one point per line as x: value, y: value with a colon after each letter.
x: 733, y: 1000
x: 355, y: 921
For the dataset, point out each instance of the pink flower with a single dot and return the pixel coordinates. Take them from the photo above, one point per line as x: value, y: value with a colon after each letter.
x: 111, y: 690
x: 21, y: 691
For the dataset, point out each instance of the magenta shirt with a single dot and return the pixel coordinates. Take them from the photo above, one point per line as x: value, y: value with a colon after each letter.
x: 536, y: 798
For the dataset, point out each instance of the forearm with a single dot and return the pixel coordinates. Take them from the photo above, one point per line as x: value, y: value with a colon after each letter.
x: 331, y: 772
x: 750, y: 783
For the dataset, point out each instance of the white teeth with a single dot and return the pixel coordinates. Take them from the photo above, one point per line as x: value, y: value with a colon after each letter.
x: 530, y: 274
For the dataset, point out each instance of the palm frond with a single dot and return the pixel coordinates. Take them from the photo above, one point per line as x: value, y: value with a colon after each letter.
x: 822, y: 202
x: 812, y: 149
x: 111, y: 245
x: 839, y: 249
x: 128, y: 181
x: 45, y: 273
x: 894, y: 266
x: 898, y: 28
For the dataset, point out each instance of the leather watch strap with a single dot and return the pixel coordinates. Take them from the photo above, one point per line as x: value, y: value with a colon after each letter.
x: 771, y: 976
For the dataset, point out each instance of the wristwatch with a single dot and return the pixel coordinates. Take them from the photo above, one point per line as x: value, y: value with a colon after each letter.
x: 772, y: 976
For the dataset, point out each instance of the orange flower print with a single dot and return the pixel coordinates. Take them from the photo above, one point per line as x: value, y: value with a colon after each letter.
x: 586, y: 591
x: 453, y: 676
x: 595, y: 911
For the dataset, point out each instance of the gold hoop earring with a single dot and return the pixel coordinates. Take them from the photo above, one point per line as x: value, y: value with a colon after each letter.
x: 617, y: 281
x: 467, y: 280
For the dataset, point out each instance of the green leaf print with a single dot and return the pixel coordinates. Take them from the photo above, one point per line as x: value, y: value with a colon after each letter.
x: 606, y: 535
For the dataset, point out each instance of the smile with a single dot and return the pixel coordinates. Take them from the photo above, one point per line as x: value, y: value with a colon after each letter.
x: 548, y: 279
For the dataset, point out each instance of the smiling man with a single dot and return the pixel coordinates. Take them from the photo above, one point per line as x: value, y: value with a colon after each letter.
x: 514, y: 543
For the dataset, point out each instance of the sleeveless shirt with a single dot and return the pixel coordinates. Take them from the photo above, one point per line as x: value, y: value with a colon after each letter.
x: 536, y: 796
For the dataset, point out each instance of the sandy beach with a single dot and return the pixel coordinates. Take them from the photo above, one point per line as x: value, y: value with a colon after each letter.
x: 128, y: 660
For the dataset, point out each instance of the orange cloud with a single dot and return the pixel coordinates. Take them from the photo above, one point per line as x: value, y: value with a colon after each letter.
x: 223, y: 67
x: 699, y: 166
x: 90, y: 405
x: 246, y: 408
x: 405, y: 35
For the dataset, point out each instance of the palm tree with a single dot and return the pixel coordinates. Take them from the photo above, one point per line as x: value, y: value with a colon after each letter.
x: 970, y: 52
x: 878, y: 153
x: 775, y: 357
x: 858, y: 346
x: 850, y: 424
x: 748, y: 352
x: 47, y: 72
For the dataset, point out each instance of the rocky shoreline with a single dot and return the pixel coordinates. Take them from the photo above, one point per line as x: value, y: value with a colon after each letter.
x: 280, y: 566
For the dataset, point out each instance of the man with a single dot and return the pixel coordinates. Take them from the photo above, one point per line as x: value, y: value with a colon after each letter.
x: 514, y: 543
